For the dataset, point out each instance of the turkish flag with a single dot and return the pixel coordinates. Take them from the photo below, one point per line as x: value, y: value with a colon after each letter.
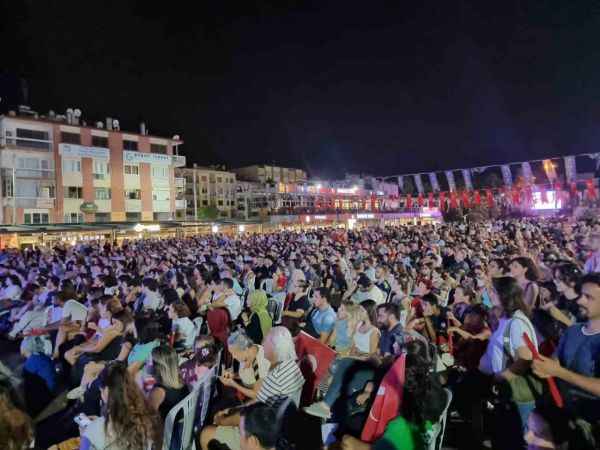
x: 443, y: 201
x: 431, y: 200
x: 420, y: 200
x: 490, y: 198
x: 465, y: 200
x: 409, y: 201
x: 477, y: 198
x: 516, y: 196
x: 591, y: 190
x: 453, y: 200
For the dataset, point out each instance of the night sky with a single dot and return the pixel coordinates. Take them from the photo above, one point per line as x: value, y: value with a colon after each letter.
x: 372, y: 87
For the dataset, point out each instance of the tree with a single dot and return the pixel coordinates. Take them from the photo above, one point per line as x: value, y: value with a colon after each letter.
x: 208, y: 213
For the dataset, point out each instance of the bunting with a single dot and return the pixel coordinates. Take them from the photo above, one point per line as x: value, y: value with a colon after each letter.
x: 450, y: 178
x: 570, y: 169
x: 435, y: 186
x: 466, y: 173
x: 527, y: 173
x: 418, y: 183
x: 506, y: 175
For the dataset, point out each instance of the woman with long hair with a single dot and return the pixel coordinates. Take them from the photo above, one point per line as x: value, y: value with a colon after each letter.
x: 365, y: 335
x: 508, y: 358
x: 169, y: 388
x: 128, y: 422
x: 524, y: 270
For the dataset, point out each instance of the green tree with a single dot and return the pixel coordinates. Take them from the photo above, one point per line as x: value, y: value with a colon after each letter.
x: 208, y: 213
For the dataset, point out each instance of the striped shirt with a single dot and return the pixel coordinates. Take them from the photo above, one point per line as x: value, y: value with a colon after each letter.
x: 283, y: 380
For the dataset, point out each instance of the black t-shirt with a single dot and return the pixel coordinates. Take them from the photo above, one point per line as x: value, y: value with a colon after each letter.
x: 299, y: 303
x: 571, y: 307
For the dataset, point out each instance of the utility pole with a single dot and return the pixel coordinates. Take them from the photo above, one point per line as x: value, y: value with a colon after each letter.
x: 195, y: 194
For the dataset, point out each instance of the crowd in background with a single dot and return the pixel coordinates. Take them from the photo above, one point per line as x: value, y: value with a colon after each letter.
x: 410, y: 328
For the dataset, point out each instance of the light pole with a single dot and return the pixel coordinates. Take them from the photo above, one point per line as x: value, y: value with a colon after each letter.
x: 195, y: 193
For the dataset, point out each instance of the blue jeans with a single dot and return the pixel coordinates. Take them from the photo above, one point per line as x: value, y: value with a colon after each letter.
x: 524, y: 410
x: 349, y: 375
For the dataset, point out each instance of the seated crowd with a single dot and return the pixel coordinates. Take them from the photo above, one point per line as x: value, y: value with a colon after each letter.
x: 381, y: 338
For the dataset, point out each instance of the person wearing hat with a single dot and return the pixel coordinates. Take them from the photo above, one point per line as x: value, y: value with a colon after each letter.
x: 366, y: 290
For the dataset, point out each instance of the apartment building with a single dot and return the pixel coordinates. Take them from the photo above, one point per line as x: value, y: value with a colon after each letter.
x: 208, y: 187
x: 270, y: 174
x: 58, y: 169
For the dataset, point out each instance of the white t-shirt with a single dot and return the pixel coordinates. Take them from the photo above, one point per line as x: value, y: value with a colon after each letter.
x: 372, y: 294
x: 234, y: 306
x: 186, y: 330
x: 494, y: 361
x: 152, y: 301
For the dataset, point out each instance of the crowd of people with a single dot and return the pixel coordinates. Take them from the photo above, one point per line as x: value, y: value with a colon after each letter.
x: 375, y: 338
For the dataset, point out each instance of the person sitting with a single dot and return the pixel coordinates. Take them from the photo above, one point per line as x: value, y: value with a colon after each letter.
x: 365, y: 338
x: 345, y: 326
x: 259, y: 427
x: 181, y: 325
x: 283, y: 380
x: 420, y: 400
x: 296, y: 309
x: 169, y: 388
x: 128, y: 422
x: 206, y: 353
x: 253, y: 365
x: 39, y: 375
x: 259, y: 323
x: 228, y: 299
x: 366, y: 290
x: 321, y: 319
x: 147, y: 336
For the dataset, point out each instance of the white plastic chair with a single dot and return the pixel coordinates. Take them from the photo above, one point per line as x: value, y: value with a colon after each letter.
x: 188, y: 407
x: 439, y: 428
x: 267, y: 285
x: 75, y: 311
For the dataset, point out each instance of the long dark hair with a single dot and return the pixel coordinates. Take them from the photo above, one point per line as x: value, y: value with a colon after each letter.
x: 134, y: 424
x: 510, y: 295
x: 532, y: 273
x: 423, y: 396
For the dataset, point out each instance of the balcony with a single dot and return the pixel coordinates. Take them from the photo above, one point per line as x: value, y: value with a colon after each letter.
x: 180, y: 182
x: 44, y: 145
x: 180, y: 204
x: 31, y: 202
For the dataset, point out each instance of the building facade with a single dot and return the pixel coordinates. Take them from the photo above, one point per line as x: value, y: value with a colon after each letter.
x: 55, y: 170
x: 208, y: 189
x: 270, y: 174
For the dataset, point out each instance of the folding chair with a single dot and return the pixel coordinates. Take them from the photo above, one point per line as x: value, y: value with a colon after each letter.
x: 439, y: 428
x: 185, y: 424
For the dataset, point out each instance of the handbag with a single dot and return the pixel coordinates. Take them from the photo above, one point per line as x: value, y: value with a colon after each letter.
x: 523, y: 388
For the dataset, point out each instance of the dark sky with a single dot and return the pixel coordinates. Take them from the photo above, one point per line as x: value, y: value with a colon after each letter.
x: 380, y: 87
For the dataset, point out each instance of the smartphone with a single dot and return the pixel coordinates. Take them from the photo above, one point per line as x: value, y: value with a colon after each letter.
x: 82, y: 420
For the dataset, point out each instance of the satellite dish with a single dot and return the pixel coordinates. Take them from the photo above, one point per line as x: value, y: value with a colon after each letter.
x: 77, y: 112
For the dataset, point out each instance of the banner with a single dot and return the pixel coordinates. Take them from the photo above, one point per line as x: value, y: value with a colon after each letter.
x: 550, y: 170
x: 450, y: 178
x: 527, y: 174
x: 401, y: 183
x: 570, y: 169
x: 466, y: 173
x: 418, y: 183
x: 435, y: 186
x: 506, y: 175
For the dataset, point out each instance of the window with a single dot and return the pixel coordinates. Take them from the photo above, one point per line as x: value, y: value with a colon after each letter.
x: 160, y: 171
x: 219, y: 180
x: 204, y: 202
x: 203, y: 178
x: 71, y: 165
x: 32, y: 138
x: 158, y: 148
x: 100, y: 141
x: 102, y: 193
x: 73, y: 218
x: 161, y: 195
x: 101, y: 170
x: 70, y: 138
x: 220, y: 203
x: 130, y: 145
x: 133, y: 216
x: 133, y: 194
x: 73, y: 192
x: 36, y: 218
x: 131, y: 170
x: 102, y: 217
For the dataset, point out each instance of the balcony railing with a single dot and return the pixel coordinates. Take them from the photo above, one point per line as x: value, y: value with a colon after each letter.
x: 180, y: 182
x: 26, y: 143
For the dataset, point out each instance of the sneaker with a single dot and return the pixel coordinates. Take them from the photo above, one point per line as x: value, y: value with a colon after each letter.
x: 319, y: 409
x: 76, y: 393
